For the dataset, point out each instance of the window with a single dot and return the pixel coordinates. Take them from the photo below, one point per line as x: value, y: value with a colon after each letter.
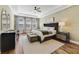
x: 26, y: 23
x: 20, y: 25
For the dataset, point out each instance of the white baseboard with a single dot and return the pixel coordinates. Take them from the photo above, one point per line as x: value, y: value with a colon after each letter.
x: 75, y: 42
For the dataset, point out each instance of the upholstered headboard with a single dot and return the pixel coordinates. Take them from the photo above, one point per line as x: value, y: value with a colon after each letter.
x: 52, y: 25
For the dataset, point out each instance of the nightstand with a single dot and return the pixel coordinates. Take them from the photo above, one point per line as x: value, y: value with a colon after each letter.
x: 65, y: 36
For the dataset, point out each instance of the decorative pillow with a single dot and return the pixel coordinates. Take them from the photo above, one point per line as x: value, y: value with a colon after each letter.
x: 50, y: 28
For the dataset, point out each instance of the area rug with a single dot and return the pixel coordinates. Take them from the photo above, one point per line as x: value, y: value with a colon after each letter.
x: 46, y: 47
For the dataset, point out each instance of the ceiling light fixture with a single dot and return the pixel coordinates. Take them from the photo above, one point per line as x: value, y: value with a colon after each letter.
x: 37, y: 9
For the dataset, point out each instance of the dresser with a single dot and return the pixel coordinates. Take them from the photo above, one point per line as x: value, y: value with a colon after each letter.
x: 7, y: 41
x: 65, y: 36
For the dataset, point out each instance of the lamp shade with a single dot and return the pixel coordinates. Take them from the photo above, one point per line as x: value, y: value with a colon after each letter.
x: 61, y: 23
x: 61, y: 26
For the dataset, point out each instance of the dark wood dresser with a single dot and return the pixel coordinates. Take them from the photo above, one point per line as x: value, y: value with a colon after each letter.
x: 7, y: 41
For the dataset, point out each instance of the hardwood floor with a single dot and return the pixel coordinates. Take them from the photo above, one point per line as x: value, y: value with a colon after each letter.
x: 68, y: 48
x: 9, y: 52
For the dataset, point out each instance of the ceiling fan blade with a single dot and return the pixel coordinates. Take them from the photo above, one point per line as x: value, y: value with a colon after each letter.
x: 39, y: 10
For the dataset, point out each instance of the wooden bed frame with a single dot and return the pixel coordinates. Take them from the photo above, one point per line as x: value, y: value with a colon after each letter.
x: 51, y: 25
x: 50, y: 37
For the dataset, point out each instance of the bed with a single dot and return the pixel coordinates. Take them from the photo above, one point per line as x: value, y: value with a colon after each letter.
x: 49, y: 31
x: 44, y: 34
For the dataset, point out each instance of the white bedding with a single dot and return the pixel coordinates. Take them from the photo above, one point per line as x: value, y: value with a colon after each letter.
x: 39, y: 33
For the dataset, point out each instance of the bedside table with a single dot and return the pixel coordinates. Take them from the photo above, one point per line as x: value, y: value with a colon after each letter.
x: 65, y: 36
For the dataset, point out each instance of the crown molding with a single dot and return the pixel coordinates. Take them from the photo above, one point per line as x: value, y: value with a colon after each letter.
x: 55, y: 10
x: 26, y: 15
x: 21, y: 14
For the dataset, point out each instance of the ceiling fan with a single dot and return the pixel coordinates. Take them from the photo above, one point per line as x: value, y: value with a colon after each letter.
x: 37, y: 9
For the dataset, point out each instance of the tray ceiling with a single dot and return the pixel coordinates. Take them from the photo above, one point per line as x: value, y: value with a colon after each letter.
x: 29, y: 9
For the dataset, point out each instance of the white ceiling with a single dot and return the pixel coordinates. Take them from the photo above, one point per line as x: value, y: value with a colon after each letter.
x: 29, y: 9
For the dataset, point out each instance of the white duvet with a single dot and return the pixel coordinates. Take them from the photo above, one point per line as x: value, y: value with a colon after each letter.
x: 39, y: 33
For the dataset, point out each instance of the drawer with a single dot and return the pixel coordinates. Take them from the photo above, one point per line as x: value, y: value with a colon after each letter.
x: 62, y: 37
